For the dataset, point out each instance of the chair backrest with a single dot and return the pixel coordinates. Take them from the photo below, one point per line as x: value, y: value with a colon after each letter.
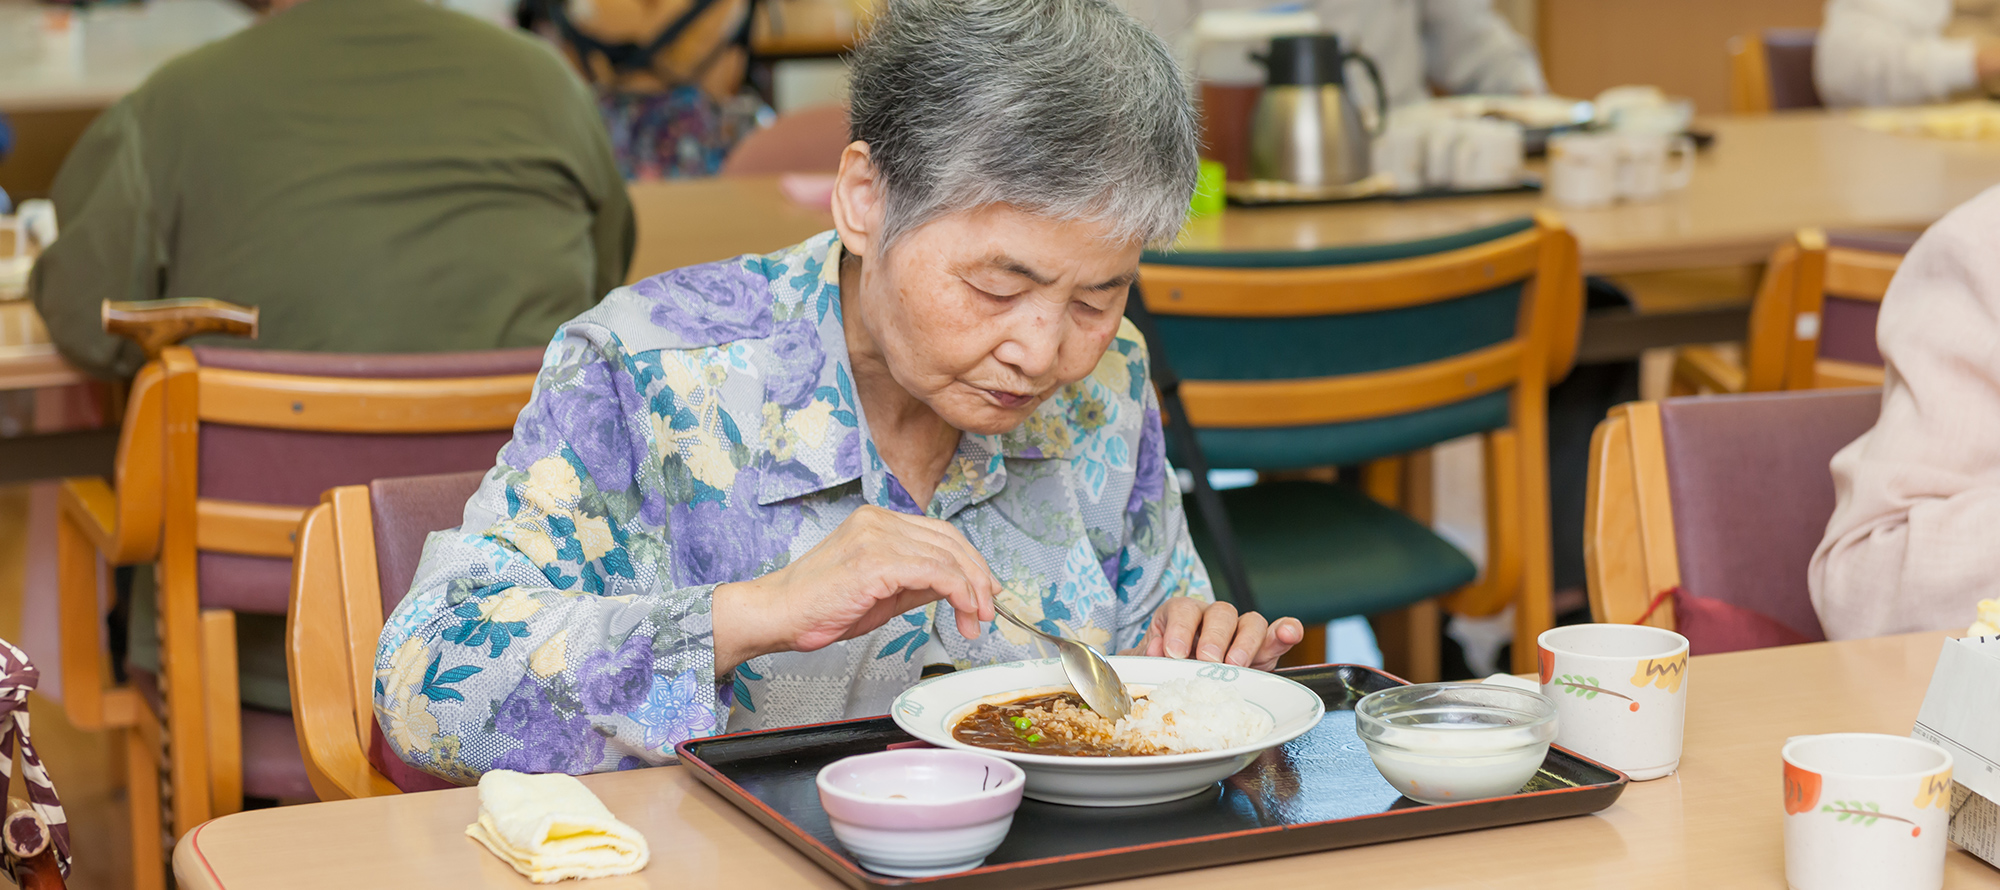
x: 1344, y: 355
x: 1859, y: 267
x: 1725, y: 497
x: 808, y: 140
x: 358, y: 553
x: 1772, y: 70
x: 1812, y: 324
x: 275, y: 429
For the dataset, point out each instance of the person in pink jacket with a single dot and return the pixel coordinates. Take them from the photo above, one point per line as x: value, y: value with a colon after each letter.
x: 1914, y: 542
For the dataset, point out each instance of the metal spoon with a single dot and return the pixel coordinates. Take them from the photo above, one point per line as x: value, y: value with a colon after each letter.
x: 1088, y: 672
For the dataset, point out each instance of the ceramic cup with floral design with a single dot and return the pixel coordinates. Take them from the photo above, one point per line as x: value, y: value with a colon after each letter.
x: 1865, y: 811
x: 1620, y: 692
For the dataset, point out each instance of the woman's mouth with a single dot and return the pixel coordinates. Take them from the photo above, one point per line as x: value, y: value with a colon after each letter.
x: 1010, y: 400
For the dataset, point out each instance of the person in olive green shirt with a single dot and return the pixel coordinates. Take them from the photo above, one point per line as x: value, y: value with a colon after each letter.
x: 374, y: 175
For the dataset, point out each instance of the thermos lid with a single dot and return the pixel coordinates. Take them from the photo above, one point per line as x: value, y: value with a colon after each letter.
x: 1303, y: 60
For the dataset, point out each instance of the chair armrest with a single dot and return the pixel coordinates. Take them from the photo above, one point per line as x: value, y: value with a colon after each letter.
x: 86, y: 532
x: 158, y: 324
x: 319, y: 670
x: 1703, y: 369
x: 89, y: 502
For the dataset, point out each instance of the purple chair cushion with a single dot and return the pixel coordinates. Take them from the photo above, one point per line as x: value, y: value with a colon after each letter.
x: 272, y: 765
x: 1788, y: 52
x: 1747, y: 476
x: 1847, y: 330
x: 273, y: 768
x: 1847, y: 323
x: 405, y: 511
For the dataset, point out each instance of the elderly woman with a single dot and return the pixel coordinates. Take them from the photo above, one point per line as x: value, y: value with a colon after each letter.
x: 769, y: 490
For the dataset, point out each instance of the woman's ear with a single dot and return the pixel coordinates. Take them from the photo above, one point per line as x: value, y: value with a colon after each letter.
x: 857, y: 200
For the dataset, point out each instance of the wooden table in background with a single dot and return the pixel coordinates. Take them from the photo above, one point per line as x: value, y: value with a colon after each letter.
x: 1763, y: 179
x: 1714, y: 825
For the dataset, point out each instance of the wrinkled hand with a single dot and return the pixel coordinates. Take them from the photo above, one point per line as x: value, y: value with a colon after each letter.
x: 877, y: 565
x: 1186, y: 626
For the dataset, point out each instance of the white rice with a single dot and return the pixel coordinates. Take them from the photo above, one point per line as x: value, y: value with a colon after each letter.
x: 1193, y: 714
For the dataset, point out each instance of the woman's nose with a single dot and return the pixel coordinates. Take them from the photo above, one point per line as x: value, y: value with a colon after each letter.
x: 1034, y: 339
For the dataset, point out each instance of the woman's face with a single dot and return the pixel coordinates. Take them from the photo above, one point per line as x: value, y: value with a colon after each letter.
x: 984, y: 314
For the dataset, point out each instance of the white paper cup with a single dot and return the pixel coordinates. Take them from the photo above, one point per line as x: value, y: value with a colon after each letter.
x: 1620, y: 692
x: 1865, y: 811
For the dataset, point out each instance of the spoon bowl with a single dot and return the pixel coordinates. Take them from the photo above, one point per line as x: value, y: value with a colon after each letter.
x: 1087, y: 671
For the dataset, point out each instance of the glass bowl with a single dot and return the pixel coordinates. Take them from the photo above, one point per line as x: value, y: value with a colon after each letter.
x: 1450, y: 742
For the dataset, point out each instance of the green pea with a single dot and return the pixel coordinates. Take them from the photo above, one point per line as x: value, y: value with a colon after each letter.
x: 1035, y: 739
x: 1023, y: 723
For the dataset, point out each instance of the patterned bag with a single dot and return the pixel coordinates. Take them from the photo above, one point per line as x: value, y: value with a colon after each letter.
x: 17, y: 677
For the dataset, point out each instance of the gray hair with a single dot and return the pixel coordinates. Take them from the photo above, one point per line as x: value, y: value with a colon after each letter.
x: 1069, y: 109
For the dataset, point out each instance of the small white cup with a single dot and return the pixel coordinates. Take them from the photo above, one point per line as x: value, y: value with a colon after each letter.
x: 1441, y: 138
x: 1865, y: 811
x: 1399, y: 154
x: 1643, y: 170
x: 1620, y: 692
x: 1488, y: 155
x: 1583, y: 170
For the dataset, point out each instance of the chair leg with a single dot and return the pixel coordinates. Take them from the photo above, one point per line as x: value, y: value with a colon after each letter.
x: 1309, y: 651
x: 1408, y: 638
x: 222, y: 705
x: 142, y: 796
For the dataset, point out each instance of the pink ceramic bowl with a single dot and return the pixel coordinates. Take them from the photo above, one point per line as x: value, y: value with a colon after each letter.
x: 921, y: 811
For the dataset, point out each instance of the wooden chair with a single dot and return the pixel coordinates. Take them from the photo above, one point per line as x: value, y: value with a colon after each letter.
x: 222, y: 452
x: 358, y: 551
x: 1352, y: 355
x: 1772, y: 70
x: 1719, y: 497
x: 1812, y: 322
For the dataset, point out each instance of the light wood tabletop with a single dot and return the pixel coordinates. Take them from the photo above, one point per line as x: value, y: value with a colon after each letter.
x: 1714, y: 825
x: 1763, y: 179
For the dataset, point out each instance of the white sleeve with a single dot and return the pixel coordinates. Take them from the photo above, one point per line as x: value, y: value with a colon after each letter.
x: 1917, y: 499
x: 1469, y: 48
x: 1890, y: 52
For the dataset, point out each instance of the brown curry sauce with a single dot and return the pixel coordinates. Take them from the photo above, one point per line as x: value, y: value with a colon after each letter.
x: 1025, y: 727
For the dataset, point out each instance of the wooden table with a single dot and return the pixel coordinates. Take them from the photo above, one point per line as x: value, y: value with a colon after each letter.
x: 1763, y: 179
x: 1715, y: 825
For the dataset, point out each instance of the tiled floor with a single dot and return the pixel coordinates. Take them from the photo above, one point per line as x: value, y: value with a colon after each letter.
x: 86, y: 767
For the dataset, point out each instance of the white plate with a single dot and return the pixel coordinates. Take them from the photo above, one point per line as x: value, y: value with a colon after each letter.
x: 930, y: 709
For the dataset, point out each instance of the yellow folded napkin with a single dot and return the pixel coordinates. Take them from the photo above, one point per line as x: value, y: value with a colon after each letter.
x: 550, y: 828
x: 1989, y: 620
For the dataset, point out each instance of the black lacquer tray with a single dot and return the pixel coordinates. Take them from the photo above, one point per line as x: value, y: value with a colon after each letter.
x: 1317, y: 792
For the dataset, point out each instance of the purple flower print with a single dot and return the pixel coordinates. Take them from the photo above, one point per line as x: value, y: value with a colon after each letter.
x: 613, y: 681
x: 585, y: 413
x: 710, y: 304
x: 671, y: 714
x: 716, y: 543
x: 550, y: 742
x: 847, y: 455
x: 796, y: 346
x: 1149, y: 471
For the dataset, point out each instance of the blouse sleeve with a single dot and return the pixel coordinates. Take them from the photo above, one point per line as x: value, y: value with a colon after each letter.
x: 545, y: 634
x: 1158, y: 559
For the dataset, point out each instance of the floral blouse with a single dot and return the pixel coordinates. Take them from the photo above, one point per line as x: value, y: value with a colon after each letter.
x: 701, y: 427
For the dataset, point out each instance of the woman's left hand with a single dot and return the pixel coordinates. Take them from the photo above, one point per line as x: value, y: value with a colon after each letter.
x: 1184, y: 626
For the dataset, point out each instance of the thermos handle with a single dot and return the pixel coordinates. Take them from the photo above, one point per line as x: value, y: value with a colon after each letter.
x: 1381, y: 95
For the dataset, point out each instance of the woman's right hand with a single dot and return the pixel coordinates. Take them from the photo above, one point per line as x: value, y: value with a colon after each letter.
x: 875, y: 566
